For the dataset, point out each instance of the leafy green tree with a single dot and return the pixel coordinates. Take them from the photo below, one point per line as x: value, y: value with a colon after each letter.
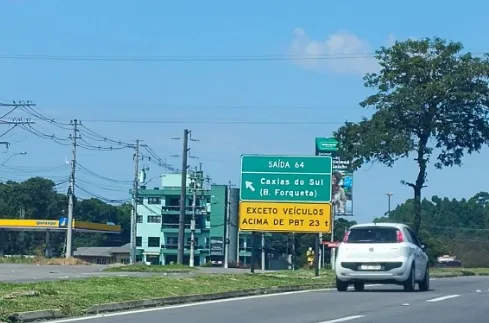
x: 39, y: 199
x: 281, y: 243
x: 430, y: 101
x: 455, y: 227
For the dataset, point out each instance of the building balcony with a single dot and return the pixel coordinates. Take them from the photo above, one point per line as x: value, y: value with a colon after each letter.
x: 173, y: 228
x: 174, y: 209
x: 173, y: 249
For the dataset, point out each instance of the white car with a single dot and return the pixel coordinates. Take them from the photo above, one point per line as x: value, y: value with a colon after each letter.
x: 381, y: 253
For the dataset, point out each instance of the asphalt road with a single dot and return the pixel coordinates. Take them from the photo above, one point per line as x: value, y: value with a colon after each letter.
x: 15, y: 273
x: 451, y: 300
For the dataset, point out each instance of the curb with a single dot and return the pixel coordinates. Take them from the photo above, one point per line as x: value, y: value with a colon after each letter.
x: 157, y: 302
x: 36, y: 316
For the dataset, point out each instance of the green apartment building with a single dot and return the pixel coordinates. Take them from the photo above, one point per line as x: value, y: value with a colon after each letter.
x: 158, y: 212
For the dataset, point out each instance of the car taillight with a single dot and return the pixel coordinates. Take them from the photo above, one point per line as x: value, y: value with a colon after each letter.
x: 400, y: 237
x: 345, y: 237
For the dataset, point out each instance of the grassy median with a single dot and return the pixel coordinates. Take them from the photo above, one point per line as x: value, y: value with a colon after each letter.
x: 152, y: 269
x: 73, y: 297
x: 451, y: 272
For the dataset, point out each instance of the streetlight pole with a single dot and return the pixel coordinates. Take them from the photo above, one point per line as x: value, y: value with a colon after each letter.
x: 12, y: 156
x: 389, y: 195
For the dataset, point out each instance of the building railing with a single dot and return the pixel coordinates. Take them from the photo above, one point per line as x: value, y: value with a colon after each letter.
x: 175, y: 226
x: 186, y: 246
x: 175, y: 208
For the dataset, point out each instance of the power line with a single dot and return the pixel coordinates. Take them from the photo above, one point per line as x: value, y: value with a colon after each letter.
x: 14, y: 123
x: 85, y: 169
x: 104, y: 187
x: 203, y: 59
x: 148, y: 59
x: 305, y: 122
x: 153, y: 157
x: 102, y: 198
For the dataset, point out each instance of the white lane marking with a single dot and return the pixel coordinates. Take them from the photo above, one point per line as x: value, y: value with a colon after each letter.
x: 217, y: 301
x: 344, y: 319
x: 439, y: 299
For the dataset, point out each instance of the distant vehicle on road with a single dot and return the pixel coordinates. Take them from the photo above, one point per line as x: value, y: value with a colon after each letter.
x: 446, y: 261
x: 381, y: 253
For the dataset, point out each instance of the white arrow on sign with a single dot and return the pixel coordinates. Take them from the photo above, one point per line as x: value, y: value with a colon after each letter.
x: 249, y: 185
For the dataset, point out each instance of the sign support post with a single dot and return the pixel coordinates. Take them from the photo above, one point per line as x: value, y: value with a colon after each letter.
x: 316, y: 255
x: 253, y: 252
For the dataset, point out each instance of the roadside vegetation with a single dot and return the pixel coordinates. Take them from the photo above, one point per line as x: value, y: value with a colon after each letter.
x: 41, y: 261
x: 74, y: 297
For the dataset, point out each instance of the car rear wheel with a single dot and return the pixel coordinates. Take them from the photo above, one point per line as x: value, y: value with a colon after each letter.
x: 410, y: 283
x: 341, y: 286
x: 359, y: 287
x: 424, y: 285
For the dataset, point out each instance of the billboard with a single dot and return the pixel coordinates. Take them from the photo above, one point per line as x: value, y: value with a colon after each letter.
x: 342, y: 179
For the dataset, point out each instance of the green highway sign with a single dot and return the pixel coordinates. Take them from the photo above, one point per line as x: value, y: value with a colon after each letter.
x: 286, y: 178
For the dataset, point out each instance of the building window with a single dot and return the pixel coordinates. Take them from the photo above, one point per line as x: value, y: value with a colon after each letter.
x: 139, y: 242
x: 101, y: 261
x: 154, y: 242
x: 154, y: 218
x: 173, y: 201
x: 140, y: 200
x: 171, y: 242
x: 154, y: 200
x: 153, y: 259
x: 139, y: 219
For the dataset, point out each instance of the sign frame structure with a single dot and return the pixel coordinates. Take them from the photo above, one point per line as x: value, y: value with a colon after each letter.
x: 294, y: 214
x: 343, y: 203
x: 285, y: 217
x: 285, y: 177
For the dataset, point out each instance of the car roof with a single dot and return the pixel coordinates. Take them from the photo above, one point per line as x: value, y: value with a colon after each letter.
x: 382, y: 225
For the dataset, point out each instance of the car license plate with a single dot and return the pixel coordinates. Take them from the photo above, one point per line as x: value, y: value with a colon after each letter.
x: 370, y: 267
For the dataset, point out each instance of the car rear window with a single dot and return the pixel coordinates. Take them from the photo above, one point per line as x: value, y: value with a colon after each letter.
x: 372, y: 235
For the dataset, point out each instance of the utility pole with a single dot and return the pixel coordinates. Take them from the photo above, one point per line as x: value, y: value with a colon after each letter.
x: 192, y: 222
x: 134, y: 215
x: 226, y: 226
x: 71, y: 191
x: 17, y: 121
x: 183, y: 198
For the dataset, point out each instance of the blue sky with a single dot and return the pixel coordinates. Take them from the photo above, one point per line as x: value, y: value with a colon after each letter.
x: 191, y: 94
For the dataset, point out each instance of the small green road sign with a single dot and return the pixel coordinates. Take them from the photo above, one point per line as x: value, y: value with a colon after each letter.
x: 286, y: 178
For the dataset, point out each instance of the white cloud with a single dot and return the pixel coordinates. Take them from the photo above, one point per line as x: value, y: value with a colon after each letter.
x: 336, y: 46
x: 391, y: 39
